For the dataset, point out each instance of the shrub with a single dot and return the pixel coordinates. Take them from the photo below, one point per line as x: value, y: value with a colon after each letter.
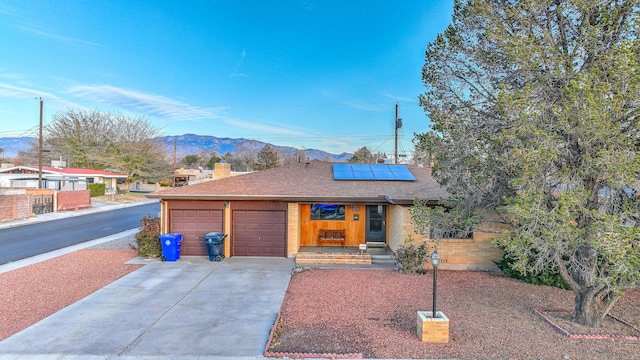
x: 548, y: 277
x: 410, y: 257
x: 147, y: 240
x: 97, y: 189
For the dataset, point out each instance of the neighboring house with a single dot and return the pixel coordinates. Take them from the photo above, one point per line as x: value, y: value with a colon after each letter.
x: 278, y: 212
x: 62, y: 189
x: 182, y: 177
x: 57, y: 178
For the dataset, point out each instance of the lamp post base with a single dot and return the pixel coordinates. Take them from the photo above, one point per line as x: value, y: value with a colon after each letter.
x: 433, y: 329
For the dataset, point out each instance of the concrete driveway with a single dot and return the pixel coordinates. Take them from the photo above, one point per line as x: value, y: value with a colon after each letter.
x: 191, y: 308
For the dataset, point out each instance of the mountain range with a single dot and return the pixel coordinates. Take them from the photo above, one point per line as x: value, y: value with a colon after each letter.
x: 192, y: 144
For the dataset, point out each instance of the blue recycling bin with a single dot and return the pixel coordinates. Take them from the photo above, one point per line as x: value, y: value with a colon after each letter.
x: 178, y: 243
x: 215, y: 245
x: 170, y: 246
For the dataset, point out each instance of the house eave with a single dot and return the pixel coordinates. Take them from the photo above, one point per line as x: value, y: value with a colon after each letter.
x: 409, y: 202
x: 380, y: 199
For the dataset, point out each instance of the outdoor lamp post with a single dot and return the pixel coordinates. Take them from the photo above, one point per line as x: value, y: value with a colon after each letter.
x: 435, y: 261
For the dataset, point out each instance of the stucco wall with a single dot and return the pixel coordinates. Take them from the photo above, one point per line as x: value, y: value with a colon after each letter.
x: 397, y: 227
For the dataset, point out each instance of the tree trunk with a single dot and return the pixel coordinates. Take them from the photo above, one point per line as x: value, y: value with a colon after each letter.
x: 592, y: 305
x: 587, y: 310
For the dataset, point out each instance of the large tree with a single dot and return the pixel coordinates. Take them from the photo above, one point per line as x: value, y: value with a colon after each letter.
x: 267, y: 158
x: 534, y: 109
x: 107, y: 141
x: 365, y: 156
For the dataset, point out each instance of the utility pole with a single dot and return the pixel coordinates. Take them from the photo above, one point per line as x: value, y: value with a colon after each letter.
x: 395, y: 147
x: 398, y: 125
x: 173, y: 174
x: 40, y: 149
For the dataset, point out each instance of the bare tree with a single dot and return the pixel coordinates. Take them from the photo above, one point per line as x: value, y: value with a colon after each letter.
x: 107, y: 141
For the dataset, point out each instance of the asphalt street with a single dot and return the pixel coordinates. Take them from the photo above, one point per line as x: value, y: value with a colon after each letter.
x: 38, y: 237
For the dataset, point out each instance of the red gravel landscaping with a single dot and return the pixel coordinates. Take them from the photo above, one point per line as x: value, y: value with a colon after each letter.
x: 36, y: 291
x: 367, y: 313
x: 372, y: 313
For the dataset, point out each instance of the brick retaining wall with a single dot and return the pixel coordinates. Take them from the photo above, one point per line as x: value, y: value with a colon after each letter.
x: 73, y: 200
x: 14, y: 204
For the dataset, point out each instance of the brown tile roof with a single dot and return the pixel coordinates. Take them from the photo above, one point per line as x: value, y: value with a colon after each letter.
x: 310, y: 182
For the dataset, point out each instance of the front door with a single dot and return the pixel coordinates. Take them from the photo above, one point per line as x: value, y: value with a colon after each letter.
x: 376, y: 224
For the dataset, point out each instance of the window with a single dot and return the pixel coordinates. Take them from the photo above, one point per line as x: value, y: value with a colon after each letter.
x: 327, y: 212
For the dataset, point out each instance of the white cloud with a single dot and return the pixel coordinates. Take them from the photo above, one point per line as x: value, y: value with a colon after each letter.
x: 148, y: 104
x: 278, y: 129
x: 307, y: 4
x: 17, y: 92
x: 401, y: 99
x: 23, y: 22
x: 238, y: 66
x: 48, y: 34
x: 361, y: 106
x: 10, y: 75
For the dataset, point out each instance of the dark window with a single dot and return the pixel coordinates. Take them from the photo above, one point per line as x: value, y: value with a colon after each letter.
x: 327, y: 212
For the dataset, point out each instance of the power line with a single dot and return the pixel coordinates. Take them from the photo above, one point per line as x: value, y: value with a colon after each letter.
x: 20, y: 133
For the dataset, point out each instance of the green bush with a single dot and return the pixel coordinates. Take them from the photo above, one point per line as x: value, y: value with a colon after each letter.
x: 147, y: 240
x: 97, y: 189
x: 548, y: 277
x: 410, y: 257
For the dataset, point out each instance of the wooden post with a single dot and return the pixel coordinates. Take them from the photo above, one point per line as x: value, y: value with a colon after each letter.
x: 40, y: 149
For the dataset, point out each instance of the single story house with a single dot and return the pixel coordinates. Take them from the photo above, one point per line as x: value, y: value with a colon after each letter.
x: 57, y: 178
x: 278, y: 212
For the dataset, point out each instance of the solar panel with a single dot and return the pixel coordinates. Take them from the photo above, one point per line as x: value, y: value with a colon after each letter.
x: 384, y: 175
x: 341, y: 167
x: 361, y: 167
x: 380, y: 172
x: 342, y: 175
x: 363, y: 175
x: 380, y: 168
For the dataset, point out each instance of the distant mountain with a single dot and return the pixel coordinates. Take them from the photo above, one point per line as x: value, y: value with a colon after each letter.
x: 11, y: 145
x: 192, y: 144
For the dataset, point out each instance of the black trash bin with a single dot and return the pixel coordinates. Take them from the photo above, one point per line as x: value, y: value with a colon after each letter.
x: 215, y: 245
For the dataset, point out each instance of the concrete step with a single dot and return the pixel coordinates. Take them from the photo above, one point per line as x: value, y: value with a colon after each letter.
x: 333, y: 258
x: 383, y: 259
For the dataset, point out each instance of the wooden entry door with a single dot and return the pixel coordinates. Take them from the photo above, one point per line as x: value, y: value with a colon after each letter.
x: 376, y: 229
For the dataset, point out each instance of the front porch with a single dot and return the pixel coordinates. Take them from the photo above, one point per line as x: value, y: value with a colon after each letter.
x: 349, y: 256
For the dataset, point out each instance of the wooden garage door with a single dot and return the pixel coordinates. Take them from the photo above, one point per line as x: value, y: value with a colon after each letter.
x: 194, y: 225
x: 259, y: 233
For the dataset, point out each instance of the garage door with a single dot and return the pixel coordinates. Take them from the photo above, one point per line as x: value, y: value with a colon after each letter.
x: 259, y: 233
x: 194, y: 225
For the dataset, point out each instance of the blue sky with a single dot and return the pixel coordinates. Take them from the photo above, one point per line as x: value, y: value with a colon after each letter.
x: 302, y: 73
